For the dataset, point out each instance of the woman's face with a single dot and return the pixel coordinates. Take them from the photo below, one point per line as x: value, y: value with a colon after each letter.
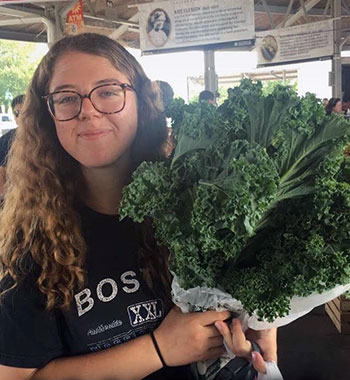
x: 94, y: 139
x: 338, y: 107
x: 159, y: 22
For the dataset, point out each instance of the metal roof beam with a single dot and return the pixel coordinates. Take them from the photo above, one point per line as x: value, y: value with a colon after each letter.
x: 23, y: 12
x: 21, y: 21
x: 19, y: 36
x: 16, y: 11
x: 266, y: 7
x: 282, y: 24
x: 305, y: 8
x: 282, y: 10
x: 91, y: 7
x: 345, y: 6
x: 114, y: 21
x: 328, y: 6
x: 65, y: 9
x: 123, y: 28
x: 305, y: 15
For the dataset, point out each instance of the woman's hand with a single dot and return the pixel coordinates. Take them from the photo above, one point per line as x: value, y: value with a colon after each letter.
x: 190, y: 337
x: 267, y: 341
x: 239, y: 343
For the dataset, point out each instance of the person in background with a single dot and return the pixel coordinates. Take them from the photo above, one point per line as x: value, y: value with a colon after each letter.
x: 207, y: 96
x: 16, y: 106
x: 84, y: 295
x: 6, y: 140
x: 166, y: 94
x: 324, y: 102
x: 333, y: 105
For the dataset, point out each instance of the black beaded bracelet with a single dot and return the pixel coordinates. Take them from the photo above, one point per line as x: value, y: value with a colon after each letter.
x: 157, y: 349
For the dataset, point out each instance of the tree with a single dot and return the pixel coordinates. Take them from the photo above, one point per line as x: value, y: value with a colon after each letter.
x: 17, y: 64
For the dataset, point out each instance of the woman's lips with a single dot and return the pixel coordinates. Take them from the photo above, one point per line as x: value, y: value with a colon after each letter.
x: 93, y: 135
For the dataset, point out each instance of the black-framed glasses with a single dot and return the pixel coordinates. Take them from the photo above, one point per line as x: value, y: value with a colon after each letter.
x: 108, y: 98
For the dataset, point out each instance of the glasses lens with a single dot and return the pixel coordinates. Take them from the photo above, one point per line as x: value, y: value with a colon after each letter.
x: 108, y: 98
x: 64, y: 105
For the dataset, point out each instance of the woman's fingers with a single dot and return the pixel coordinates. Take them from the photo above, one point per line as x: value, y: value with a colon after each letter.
x: 186, y: 338
x: 212, y: 331
x: 216, y: 341
x: 267, y: 340
x: 235, y: 338
x: 225, y: 332
x: 215, y: 352
x: 209, y: 317
x: 258, y: 362
x: 242, y: 345
x: 239, y: 345
x: 270, y: 355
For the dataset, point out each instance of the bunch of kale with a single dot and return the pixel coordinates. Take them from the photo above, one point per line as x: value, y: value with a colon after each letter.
x: 255, y: 199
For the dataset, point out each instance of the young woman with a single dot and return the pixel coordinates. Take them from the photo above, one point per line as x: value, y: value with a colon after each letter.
x: 334, y: 105
x: 81, y: 292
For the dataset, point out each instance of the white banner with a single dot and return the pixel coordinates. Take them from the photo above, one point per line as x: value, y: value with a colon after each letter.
x: 185, y: 23
x: 296, y: 43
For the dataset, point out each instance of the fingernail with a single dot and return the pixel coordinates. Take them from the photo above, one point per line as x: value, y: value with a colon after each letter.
x: 218, y: 326
x: 254, y: 356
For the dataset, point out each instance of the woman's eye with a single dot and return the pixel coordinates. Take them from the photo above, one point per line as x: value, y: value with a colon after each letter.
x: 67, y: 99
x: 110, y: 92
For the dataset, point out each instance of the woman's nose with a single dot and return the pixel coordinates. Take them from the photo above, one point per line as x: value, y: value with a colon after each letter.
x: 87, y: 108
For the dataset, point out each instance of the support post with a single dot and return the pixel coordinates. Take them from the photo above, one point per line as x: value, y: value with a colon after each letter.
x: 336, y: 61
x: 210, y: 79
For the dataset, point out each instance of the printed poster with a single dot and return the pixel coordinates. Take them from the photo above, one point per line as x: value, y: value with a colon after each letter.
x: 296, y: 43
x: 191, y: 23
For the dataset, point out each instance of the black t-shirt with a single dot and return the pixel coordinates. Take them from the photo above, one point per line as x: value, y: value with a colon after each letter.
x: 114, y: 306
x: 5, y: 145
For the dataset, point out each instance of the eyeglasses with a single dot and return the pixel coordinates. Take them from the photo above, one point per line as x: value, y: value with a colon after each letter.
x: 16, y: 113
x: 107, y: 98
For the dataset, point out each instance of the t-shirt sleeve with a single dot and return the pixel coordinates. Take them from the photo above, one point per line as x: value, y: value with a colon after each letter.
x: 29, y: 335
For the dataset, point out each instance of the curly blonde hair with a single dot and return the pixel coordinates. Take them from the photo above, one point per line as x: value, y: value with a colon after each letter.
x: 38, y: 221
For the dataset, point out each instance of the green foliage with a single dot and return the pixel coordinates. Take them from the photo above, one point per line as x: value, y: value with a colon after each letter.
x: 255, y: 199
x: 17, y: 66
x: 269, y: 86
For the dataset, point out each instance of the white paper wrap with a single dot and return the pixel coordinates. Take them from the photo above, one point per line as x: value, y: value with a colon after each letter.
x: 203, y: 298
x: 272, y: 372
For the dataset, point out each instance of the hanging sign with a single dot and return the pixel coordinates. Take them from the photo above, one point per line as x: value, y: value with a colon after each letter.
x: 180, y: 24
x: 75, y: 19
x: 296, y: 43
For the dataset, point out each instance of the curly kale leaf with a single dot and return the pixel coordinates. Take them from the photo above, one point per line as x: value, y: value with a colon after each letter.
x: 149, y: 192
x: 305, y: 249
x: 255, y: 199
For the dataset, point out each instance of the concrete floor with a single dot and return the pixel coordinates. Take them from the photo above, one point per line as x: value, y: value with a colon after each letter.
x: 311, y: 348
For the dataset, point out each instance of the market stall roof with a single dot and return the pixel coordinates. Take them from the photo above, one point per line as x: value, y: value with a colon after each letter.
x: 35, y: 20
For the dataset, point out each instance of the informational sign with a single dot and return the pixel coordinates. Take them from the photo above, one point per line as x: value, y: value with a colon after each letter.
x: 180, y: 24
x: 75, y: 19
x: 297, y: 43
